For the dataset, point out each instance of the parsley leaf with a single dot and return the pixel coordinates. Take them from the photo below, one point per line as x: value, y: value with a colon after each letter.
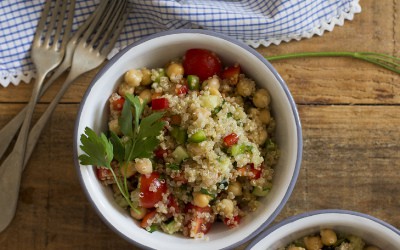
x: 118, y: 147
x: 125, y: 120
x: 144, y: 139
x: 99, y: 151
x: 140, y: 140
x: 138, y: 107
x: 150, y: 126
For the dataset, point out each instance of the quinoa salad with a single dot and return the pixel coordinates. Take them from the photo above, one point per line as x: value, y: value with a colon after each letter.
x: 328, y: 239
x: 191, y: 144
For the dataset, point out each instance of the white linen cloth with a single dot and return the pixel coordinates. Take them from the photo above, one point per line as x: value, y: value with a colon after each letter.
x: 255, y: 22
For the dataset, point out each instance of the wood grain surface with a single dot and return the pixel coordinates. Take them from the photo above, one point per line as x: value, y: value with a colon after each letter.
x: 350, y: 114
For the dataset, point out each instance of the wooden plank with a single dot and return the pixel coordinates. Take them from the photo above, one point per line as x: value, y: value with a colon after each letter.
x: 351, y: 161
x: 313, y: 80
x: 53, y: 212
x: 350, y: 116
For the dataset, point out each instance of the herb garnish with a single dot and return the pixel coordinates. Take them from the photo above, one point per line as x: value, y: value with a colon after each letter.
x: 386, y: 61
x: 140, y: 140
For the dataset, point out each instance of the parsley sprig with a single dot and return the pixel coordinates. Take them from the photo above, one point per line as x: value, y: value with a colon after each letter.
x: 139, y: 141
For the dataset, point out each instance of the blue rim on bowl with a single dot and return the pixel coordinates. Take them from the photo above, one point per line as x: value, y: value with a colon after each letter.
x: 298, y: 217
x: 237, y: 43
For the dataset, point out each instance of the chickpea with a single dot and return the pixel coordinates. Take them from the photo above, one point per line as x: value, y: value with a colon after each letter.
x: 227, y: 207
x: 133, y: 77
x: 235, y: 188
x: 194, y: 149
x: 212, y: 82
x: 254, y: 113
x: 265, y: 116
x: 214, y: 92
x: 113, y: 126
x: 261, y: 137
x: 245, y: 87
x: 146, y: 79
x: 138, y: 213
x: 128, y: 169
x: 328, y: 237
x: 313, y: 242
x: 175, y: 71
x: 145, y: 95
x: 201, y: 114
x: 143, y: 165
x: 261, y: 98
x: 124, y: 89
x: 201, y: 200
x: 239, y: 100
x: 225, y: 87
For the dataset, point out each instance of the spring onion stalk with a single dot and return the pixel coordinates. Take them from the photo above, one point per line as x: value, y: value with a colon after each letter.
x: 386, y: 61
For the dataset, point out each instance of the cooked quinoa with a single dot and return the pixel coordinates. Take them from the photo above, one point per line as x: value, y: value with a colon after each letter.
x: 216, y: 153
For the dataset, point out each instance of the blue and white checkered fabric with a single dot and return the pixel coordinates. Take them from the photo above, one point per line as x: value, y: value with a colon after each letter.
x: 254, y: 22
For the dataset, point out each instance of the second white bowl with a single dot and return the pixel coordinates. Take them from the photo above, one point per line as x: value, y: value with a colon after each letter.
x: 370, y: 229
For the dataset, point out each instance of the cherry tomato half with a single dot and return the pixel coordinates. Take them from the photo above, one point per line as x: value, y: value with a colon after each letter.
x: 103, y: 174
x: 250, y: 171
x: 233, y: 222
x: 198, y: 224
x: 182, y: 90
x: 231, y: 74
x: 145, y: 221
x: 151, y: 189
x: 173, y: 203
x: 202, y: 63
x: 231, y: 139
x: 159, y: 104
x: 118, y: 104
x: 159, y: 153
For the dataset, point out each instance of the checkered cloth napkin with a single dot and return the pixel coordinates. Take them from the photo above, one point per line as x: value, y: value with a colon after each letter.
x: 255, y: 22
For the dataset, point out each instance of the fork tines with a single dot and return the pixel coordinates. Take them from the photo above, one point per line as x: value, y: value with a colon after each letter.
x: 55, y: 19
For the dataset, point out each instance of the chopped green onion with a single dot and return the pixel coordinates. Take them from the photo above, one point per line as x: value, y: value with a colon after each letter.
x: 152, y: 228
x: 239, y: 149
x: 258, y: 191
x: 159, y: 73
x: 205, y: 191
x: 193, y: 82
x: 197, y: 137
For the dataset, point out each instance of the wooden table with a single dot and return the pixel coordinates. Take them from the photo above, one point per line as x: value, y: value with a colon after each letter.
x: 350, y: 114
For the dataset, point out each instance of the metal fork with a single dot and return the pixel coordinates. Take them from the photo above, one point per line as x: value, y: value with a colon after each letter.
x: 48, y: 48
x: 91, y: 52
x: 92, y: 49
x: 8, y: 132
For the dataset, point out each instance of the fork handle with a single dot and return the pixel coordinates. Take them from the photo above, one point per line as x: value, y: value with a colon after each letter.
x: 8, y: 132
x: 11, y: 168
x: 37, y: 129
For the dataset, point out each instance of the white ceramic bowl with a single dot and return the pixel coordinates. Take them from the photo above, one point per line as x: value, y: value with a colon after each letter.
x: 370, y: 229
x: 155, y: 51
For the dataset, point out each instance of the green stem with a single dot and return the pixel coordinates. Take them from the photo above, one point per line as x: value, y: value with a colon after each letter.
x: 125, y: 166
x: 125, y: 194
x: 389, y: 62
x: 119, y: 186
x: 309, y: 54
